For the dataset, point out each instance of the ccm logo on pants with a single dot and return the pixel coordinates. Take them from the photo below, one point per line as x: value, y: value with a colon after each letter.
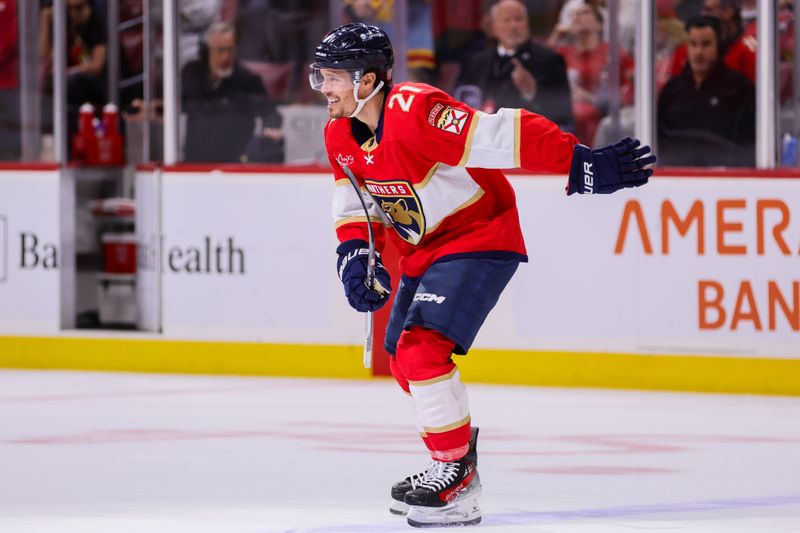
x: 429, y: 297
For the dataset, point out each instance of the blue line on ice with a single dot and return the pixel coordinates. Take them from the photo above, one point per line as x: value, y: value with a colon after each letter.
x: 527, y: 518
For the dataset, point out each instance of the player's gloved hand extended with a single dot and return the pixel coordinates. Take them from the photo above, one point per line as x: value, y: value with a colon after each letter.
x: 352, y: 268
x: 609, y: 169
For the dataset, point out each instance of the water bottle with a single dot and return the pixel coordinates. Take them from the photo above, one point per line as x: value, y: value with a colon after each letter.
x: 789, y: 150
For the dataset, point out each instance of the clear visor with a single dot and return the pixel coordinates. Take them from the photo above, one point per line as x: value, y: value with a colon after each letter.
x: 333, y: 80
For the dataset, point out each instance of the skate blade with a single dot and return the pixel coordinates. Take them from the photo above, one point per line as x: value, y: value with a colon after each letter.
x: 399, y: 508
x: 464, y: 513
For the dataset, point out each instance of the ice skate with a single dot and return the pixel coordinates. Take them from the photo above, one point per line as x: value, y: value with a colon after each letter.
x: 448, y: 494
x: 399, y: 489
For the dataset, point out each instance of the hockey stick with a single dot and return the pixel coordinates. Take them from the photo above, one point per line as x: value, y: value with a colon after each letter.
x: 371, y: 265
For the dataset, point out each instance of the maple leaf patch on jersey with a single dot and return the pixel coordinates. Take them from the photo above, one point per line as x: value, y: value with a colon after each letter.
x: 399, y: 201
x: 452, y: 120
x: 344, y: 160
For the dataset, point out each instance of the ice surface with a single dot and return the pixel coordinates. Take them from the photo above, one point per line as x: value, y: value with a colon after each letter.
x: 84, y: 452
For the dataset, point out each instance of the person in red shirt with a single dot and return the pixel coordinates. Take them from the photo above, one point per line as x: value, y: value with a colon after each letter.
x: 429, y: 172
x: 587, y: 61
x: 739, y: 46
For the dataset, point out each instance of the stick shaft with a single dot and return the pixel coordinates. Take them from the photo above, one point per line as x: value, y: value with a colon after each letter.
x: 371, y: 266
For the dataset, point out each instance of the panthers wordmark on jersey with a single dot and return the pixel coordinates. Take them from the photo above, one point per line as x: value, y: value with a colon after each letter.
x: 432, y: 171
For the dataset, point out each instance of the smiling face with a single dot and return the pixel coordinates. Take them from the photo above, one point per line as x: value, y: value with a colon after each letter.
x: 337, y: 86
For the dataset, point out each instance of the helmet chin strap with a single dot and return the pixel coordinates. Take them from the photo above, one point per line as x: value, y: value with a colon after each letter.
x: 360, y: 103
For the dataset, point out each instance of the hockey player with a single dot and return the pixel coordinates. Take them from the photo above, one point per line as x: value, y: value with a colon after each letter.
x: 430, y: 167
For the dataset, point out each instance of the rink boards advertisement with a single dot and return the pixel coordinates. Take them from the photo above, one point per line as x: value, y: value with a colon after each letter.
x: 688, y: 283
x: 30, y: 252
x: 683, y: 266
x: 250, y: 257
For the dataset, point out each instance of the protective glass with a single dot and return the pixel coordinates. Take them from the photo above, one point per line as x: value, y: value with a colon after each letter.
x: 335, y: 80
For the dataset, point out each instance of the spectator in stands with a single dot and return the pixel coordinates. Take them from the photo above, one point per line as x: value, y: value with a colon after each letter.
x: 516, y: 72
x: 563, y: 29
x: 9, y: 82
x: 669, y: 35
x: 626, y: 16
x: 86, y: 52
x: 739, y: 48
x: 587, y: 61
x: 706, y: 114
x: 230, y: 118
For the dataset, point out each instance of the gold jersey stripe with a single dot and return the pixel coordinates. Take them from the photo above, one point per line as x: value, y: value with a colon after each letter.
x: 448, y: 427
x: 470, y: 134
x: 424, y: 183
x: 432, y: 381
x: 370, y: 144
x: 350, y: 220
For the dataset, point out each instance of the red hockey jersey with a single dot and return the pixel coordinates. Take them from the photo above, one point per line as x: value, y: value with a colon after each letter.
x: 432, y: 175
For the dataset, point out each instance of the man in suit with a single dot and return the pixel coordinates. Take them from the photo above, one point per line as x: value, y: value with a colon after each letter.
x: 516, y: 72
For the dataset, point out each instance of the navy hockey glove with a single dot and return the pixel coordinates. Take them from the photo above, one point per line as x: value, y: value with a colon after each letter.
x: 352, y: 268
x: 609, y: 169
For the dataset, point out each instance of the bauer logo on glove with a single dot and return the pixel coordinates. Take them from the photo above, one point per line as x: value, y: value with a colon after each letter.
x: 352, y: 269
x: 609, y: 169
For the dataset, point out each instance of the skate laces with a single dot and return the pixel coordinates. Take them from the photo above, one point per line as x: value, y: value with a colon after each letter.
x: 417, y: 479
x: 441, y: 476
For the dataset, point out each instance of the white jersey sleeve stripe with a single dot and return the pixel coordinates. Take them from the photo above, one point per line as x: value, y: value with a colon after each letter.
x: 496, y: 141
x: 477, y: 196
x: 448, y: 190
x: 347, y: 207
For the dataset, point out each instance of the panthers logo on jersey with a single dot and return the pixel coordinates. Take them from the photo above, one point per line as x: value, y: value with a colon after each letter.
x: 400, y: 203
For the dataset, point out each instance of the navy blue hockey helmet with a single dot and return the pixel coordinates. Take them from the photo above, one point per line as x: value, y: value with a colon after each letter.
x: 356, y: 47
